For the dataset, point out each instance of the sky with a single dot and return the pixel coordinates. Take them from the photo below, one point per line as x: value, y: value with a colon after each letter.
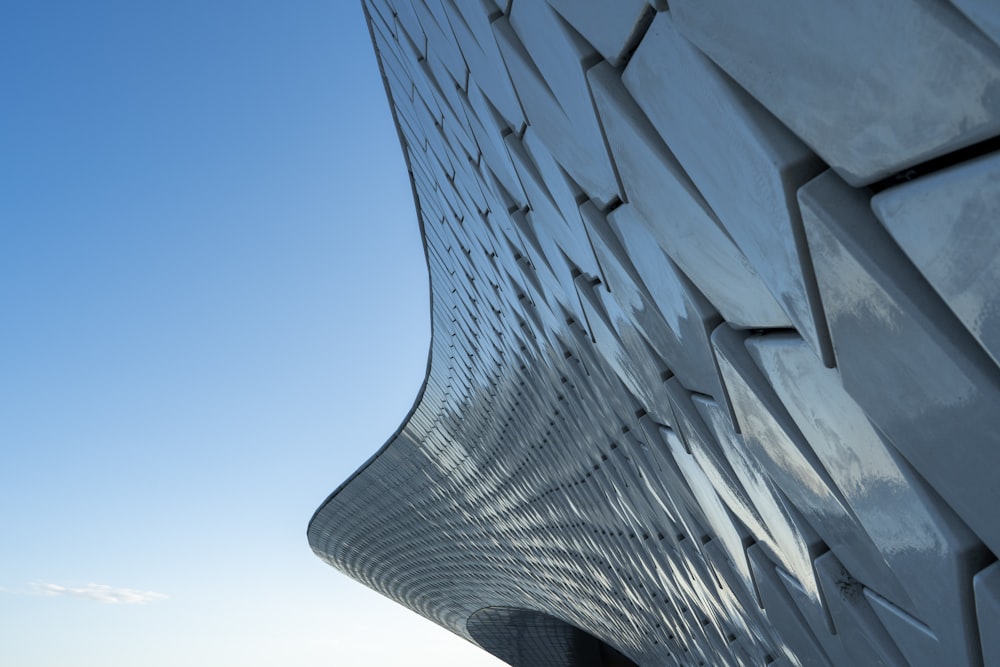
x: 213, y: 309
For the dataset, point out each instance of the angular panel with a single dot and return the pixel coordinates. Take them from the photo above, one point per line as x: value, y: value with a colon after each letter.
x: 674, y: 210
x: 947, y: 224
x: 890, y: 330
x: 863, y: 637
x: 873, y: 86
x: 774, y: 440
x: 930, y: 553
x: 574, y: 138
x: 612, y: 28
x: 675, y: 318
x: 984, y: 13
x: 781, y: 610
x: 988, y: 604
x: 744, y: 162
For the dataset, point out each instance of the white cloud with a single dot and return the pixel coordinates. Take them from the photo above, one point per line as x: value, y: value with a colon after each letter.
x: 100, y: 593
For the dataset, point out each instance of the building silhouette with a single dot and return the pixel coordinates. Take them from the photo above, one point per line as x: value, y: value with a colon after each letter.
x: 713, y: 374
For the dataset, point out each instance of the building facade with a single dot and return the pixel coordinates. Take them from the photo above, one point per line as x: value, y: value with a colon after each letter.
x: 714, y: 374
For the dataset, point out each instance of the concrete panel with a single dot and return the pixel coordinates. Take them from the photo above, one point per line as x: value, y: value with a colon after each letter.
x: 670, y: 204
x: 947, y: 224
x: 928, y: 550
x: 613, y: 28
x: 575, y: 139
x: 935, y: 89
x: 987, y: 585
x: 745, y: 163
x: 774, y: 440
x: 684, y: 315
x: 889, y: 327
x: 801, y: 644
x: 862, y: 635
x: 985, y: 14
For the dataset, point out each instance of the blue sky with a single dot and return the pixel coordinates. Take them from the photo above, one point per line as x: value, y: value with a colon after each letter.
x: 213, y: 308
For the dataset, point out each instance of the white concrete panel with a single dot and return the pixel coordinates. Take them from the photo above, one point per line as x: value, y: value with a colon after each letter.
x: 985, y: 14
x: 774, y: 440
x: 471, y: 27
x: 573, y: 137
x: 627, y: 288
x: 873, y: 86
x: 798, y: 640
x: 987, y: 585
x: 928, y: 550
x: 861, y: 633
x: 788, y: 538
x: 489, y: 135
x: 688, y: 315
x: 676, y: 212
x: 612, y: 27
x: 745, y: 163
x: 948, y: 223
x: 890, y: 331
x: 626, y: 352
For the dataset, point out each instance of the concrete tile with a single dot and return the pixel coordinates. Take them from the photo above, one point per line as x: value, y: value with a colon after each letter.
x: 946, y: 223
x: 886, y: 324
x: 744, y: 162
x: 935, y: 90
x: 670, y: 204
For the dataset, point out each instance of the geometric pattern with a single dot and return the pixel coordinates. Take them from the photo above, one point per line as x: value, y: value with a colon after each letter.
x: 714, y: 375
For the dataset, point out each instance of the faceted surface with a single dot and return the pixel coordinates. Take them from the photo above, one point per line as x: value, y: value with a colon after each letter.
x: 696, y: 394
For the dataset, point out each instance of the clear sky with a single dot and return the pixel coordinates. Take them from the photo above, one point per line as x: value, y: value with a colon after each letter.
x: 213, y: 308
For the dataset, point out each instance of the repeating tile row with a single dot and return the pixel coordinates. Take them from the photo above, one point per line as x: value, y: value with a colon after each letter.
x: 713, y: 373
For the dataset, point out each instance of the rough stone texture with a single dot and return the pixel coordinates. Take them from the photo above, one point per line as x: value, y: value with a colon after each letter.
x: 696, y: 394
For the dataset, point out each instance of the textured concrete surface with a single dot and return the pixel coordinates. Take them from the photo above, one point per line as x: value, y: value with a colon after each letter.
x: 713, y: 376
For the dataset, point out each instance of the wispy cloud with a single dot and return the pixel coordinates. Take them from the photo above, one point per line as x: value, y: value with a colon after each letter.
x: 100, y: 593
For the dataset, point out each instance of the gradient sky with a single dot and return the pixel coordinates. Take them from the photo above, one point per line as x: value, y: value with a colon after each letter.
x: 213, y: 308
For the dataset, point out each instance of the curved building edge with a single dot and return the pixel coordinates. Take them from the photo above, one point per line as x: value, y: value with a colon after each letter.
x: 423, y: 242
x: 706, y: 301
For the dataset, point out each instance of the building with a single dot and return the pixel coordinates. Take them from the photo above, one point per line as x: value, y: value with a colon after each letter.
x: 716, y: 326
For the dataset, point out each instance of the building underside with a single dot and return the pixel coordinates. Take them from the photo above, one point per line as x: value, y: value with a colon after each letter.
x: 713, y: 376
